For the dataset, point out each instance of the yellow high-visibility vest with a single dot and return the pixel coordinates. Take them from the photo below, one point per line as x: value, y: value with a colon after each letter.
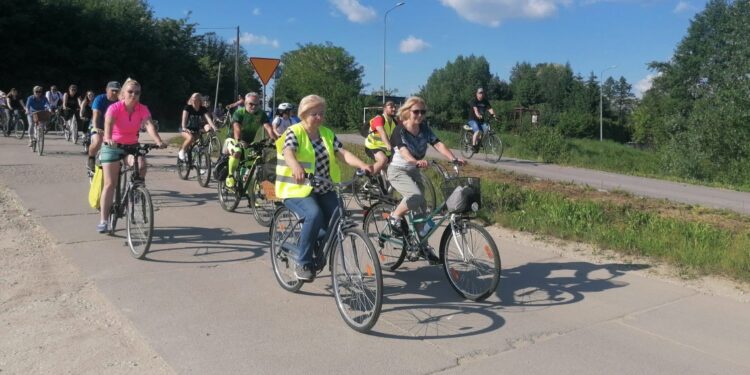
x: 373, y: 140
x: 285, y: 186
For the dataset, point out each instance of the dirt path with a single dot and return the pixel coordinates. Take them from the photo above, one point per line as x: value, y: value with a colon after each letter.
x: 51, y: 319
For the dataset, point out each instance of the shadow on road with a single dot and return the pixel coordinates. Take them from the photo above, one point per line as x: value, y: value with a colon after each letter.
x: 551, y: 284
x: 204, y: 245
x: 175, y: 199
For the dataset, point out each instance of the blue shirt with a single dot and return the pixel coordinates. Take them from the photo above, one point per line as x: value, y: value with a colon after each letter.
x: 34, y: 104
x: 101, y: 103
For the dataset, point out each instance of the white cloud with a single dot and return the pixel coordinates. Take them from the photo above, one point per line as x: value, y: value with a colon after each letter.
x: 493, y: 12
x: 256, y: 12
x: 412, y: 44
x: 354, y: 11
x: 684, y: 7
x: 644, y: 85
x: 248, y: 38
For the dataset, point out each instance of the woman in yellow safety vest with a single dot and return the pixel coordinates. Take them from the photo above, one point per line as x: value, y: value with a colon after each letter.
x: 310, y: 147
x: 378, y: 141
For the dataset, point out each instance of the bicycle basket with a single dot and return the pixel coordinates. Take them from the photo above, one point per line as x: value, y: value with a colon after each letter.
x: 462, y: 194
x: 41, y: 116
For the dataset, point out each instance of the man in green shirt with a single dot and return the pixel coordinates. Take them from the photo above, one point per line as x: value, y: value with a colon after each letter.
x: 246, y: 122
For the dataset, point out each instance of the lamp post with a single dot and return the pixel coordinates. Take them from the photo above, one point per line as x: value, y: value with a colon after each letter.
x: 385, y: 26
x: 601, y: 102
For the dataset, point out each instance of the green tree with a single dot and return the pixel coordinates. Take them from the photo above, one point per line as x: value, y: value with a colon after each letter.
x: 328, y: 71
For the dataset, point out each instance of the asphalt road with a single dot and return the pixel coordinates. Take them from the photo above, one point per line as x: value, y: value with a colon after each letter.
x: 640, y: 186
x: 206, y: 299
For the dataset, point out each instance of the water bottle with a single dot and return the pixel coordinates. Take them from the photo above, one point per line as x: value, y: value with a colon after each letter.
x: 428, y: 225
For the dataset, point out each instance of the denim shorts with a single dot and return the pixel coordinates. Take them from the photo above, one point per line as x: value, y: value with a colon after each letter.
x: 475, y: 126
x: 109, y: 154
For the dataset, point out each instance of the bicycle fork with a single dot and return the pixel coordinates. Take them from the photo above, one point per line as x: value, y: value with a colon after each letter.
x: 458, y: 239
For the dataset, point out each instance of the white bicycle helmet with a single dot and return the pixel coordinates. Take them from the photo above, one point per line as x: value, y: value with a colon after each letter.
x: 285, y: 107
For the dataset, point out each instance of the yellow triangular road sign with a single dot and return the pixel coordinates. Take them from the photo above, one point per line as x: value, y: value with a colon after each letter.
x: 264, y: 67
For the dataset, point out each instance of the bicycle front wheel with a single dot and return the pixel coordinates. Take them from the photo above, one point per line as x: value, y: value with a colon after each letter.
x: 285, y: 231
x: 40, y: 142
x: 471, y: 260
x: 19, y: 128
x: 229, y: 198
x: 357, y: 280
x: 493, y: 147
x: 140, y: 221
x: 258, y: 195
x: 377, y: 228
x: 203, y: 168
x: 362, y: 190
x: 183, y: 167
x: 214, y: 149
x: 74, y: 130
x: 467, y: 150
x: 66, y: 131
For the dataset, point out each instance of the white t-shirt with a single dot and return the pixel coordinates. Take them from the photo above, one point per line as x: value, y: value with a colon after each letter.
x: 53, y: 98
x: 280, y: 124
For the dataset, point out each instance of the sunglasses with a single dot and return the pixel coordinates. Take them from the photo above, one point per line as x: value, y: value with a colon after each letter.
x: 419, y: 112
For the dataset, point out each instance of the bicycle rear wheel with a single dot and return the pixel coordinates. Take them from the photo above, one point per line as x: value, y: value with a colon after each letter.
x: 493, y: 147
x: 229, y: 198
x: 285, y: 231
x: 214, y: 149
x: 258, y: 195
x: 19, y: 128
x: 377, y: 228
x: 203, y: 167
x: 357, y: 280
x: 467, y: 150
x: 471, y: 260
x: 140, y: 221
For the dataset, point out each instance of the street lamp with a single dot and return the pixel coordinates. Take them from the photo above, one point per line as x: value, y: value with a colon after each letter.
x: 385, y: 25
x: 601, y: 101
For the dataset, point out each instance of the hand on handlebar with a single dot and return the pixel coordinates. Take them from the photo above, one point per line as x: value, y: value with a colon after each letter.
x: 422, y: 163
x: 460, y: 162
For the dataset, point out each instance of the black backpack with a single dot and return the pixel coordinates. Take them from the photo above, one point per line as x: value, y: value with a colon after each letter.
x: 221, y: 169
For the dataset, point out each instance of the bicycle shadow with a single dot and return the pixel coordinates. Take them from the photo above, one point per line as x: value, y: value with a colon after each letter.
x: 543, y: 285
x: 207, y: 245
x: 176, y: 199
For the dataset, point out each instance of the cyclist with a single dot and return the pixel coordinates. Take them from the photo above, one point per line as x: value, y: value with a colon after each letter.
x: 410, y: 140
x: 378, y: 144
x: 246, y: 122
x: 192, y: 114
x: 15, y: 105
x: 99, y: 108
x: 122, y: 124
x: 71, y: 104
x: 477, y: 116
x: 86, y: 112
x: 231, y: 108
x: 35, y: 103
x: 282, y: 120
x: 54, y: 97
x: 310, y: 147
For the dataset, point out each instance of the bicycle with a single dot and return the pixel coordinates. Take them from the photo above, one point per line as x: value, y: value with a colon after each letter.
x: 18, y: 126
x: 4, y: 119
x: 355, y: 271
x: 371, y: 189
x: 197, y: 158
x: 56, y: 122
x: 489, y: 141
x: 133, y: 199
x: 252, y: 180
x: 70, y: 129
x: 460, y: 250
x: 41, y: 120
x: 214, y: 147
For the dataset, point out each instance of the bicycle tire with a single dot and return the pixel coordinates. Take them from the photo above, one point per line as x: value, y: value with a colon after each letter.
x: 214, y: 149
x: 140, y: 221
x: 362, y: 196
x: 283, y: 263
x: 183, y: 167
x: 357, y: 280
x: 229, y: 199
x: 467, y: 150
x: 74, y: 130
x: 59, y: 124
x: 493, y: 147
x: 375, y: 224
x: 460, y: 272
x: 40, y: 143
x: 19, y: 128
x: 66, y: 131
x: 263, y: 208
x: 203, y: 168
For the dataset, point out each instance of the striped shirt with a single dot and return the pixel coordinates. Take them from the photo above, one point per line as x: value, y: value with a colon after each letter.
x: 322, y: 162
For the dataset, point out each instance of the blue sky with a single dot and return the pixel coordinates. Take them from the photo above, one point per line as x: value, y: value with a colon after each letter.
x: 424, y: 35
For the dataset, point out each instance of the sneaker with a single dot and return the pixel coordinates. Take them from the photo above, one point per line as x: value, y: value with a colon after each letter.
x: 181, y: 155
x: 101, y: 228
x: 304, y: 273
x: 475, y: 148
x: 397, y: 225
x: 229, y: 182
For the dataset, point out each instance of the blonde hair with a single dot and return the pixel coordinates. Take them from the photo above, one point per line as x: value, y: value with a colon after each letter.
x: 404, y: 113
x: 130, y: 82
x: 309, y: 103
x: 192, y: 98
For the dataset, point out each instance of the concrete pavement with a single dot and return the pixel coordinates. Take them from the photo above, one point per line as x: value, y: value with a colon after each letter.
x: 206, y: 299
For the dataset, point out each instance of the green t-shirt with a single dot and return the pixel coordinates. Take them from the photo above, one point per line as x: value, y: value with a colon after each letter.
x: 250, y: 123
